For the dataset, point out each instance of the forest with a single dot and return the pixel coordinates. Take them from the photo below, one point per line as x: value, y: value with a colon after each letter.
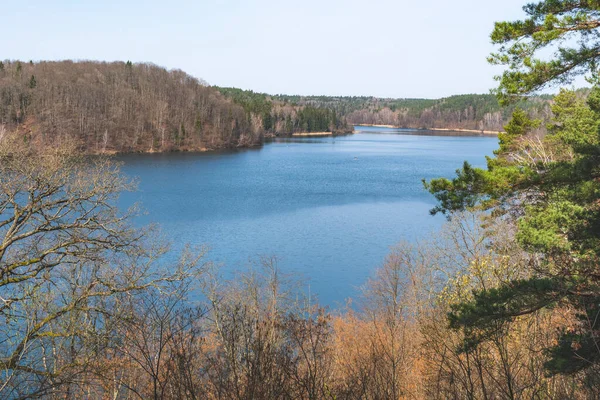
x: 118, y: 107
x: 470, y: 111
x: 501, y: 303
x: 281, y: 117
x: 123, y: 107
x: 479, y: 112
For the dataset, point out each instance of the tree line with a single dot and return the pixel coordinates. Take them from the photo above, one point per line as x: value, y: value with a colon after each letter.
x: 469, y: 111
x: 281, y: 117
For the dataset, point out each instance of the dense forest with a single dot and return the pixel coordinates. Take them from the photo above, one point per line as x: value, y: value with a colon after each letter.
x: 282, y: 117
x: 126, y: 107
x: 118, y: 107
x: 470, y: 111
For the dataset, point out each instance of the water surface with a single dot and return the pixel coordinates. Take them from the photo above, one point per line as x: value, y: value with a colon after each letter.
x: 329, y: 208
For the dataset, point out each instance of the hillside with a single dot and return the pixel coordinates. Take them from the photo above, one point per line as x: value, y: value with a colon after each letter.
x: 119, y: 107
x: 279, y: 116
x: 282, y: 114
x: 469, y: 111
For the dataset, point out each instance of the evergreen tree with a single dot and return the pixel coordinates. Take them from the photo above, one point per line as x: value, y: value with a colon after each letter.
x: 550, y: 185
x: 32, y: 82
x: 267, y: 122
x: 567, y: 26
x: 1, y: 66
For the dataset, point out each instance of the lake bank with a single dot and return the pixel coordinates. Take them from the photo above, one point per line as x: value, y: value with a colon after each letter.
x: 378, y: 126
x: 473, y: 132
x: 304, y: 134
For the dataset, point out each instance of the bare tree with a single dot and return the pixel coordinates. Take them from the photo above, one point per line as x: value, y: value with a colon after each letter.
x: 67, y: 256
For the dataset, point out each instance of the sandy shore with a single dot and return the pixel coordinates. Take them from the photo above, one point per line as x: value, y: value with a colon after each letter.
x: 313, y: 134
x: 378, y: 126
x: 477, y: 131
x: 464, y: 130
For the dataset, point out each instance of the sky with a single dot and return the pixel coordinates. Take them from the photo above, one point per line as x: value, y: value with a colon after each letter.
x: 383, y: 48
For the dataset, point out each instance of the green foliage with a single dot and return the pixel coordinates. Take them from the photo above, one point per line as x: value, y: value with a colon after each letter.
x: 492, y: 309
x: 558, y: 204
x: 577, y: 350
x: 313, y: 119
x: 459, y: 193
x: 267, y: 121
x: 344, y: 105
x: 469, y: 111
x: 256, y: 103
x: 519, y: 125
x: 32, y: 82
x: 568, y: 27
x: 305, y: 117
x: 575, y: 122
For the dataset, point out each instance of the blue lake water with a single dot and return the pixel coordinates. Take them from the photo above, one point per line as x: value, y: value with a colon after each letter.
x: 328, y: 208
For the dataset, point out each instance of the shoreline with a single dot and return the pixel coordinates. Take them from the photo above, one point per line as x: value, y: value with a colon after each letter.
x: 190, y: 150
x: 113, y: 152
x: 480, y: 132
x: 312, y: 134
x: 475, y: 131
x: 379, y: 126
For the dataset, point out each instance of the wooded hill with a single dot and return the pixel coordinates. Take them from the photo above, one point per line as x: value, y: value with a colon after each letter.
x: 282, y: 114
x: 119, y: 107
x: 469, y: 111
x: 279, y: 116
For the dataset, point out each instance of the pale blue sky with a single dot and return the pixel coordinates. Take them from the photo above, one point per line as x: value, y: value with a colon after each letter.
x: 386, y: 48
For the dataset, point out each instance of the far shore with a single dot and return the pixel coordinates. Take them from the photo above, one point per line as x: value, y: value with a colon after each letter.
x: 476, y: 131
x: 481, y: 132
x: 312, y: 134
x: 378, y: 126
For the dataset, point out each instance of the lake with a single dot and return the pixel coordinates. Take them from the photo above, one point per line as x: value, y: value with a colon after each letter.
x: 328, y: 208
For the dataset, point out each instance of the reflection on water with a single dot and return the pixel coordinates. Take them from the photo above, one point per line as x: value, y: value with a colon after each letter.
x: 328, y: 207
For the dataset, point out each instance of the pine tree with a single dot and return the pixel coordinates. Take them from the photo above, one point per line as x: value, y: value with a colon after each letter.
x: 32, y: 82
x: 267, y: 122
x: 552, y: 188
x: 569, y: 27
